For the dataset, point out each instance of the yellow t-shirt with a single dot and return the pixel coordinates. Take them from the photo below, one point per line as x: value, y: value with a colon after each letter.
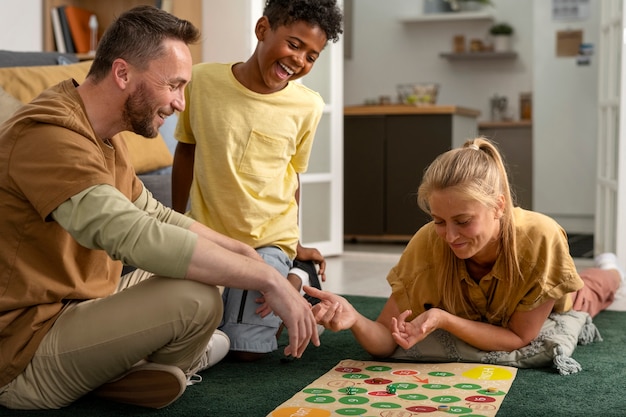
x: 249, y: 149
x: 547, y: 269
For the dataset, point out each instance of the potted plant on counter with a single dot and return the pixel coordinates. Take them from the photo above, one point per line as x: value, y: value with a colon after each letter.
x: 501, y: 33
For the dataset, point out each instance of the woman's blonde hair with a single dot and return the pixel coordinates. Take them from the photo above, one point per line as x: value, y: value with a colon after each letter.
x: 477, y: 171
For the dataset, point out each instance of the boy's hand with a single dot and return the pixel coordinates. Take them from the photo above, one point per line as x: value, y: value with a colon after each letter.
x: 312, y: 254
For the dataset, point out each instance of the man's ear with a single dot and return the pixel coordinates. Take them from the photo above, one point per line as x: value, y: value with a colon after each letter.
x: 261, y: 28
x: 119, y: 70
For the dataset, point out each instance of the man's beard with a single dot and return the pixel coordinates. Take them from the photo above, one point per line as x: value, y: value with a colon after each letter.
x: 138, y: 113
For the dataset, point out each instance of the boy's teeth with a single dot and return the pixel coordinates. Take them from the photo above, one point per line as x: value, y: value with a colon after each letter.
x: 289, y: 70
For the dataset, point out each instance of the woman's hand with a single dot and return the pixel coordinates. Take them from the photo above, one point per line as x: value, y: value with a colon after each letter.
x: 407, y: 334
x: 333, y: 311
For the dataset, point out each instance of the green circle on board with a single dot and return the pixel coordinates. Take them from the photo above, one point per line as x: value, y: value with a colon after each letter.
x: 413, y: 397
x: 353, y: 400
x: 351, y: 411
x: 404, y: 385
x: 355, y: 390
x: 455, y: 409
x: 379, y: 368
x: 467, y: 386
x: 440, y: 373
x: 386, y: 405
x: 436, y: 386
x: 316, y: 391
x: 320, y: 399
x: 444, y: 399
x: 355, y: 376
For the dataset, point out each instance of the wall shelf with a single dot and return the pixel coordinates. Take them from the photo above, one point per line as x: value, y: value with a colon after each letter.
x: 476, y: 56
x: 486, y: 16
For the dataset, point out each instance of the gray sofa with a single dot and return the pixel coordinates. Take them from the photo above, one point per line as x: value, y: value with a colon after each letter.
x: 158, y: 181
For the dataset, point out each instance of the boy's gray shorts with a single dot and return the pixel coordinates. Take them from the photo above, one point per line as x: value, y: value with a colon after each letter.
x: 248, y: 332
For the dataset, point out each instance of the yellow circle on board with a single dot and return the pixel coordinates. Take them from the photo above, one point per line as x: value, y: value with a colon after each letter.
x: 488, y: 373
x: 300, y: 412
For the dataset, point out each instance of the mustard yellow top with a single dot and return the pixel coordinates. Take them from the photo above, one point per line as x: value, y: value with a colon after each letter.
x: 546, y: 266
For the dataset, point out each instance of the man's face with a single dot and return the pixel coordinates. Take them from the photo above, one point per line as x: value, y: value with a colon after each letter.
x: 158, y: 90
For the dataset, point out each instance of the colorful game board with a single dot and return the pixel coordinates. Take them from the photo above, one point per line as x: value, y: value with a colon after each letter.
x: 381, y: 389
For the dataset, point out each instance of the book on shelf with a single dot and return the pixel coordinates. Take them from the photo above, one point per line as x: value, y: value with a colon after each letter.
x: 165, y: 5
x: 57, y: 30
x: 78, y: 22
x: 67, y: 35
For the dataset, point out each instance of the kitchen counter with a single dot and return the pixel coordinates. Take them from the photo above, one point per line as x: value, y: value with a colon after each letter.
x: 396, y: 109
x: 504, y: 124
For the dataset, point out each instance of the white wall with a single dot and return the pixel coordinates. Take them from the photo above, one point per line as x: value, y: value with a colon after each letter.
x: 21, y: 25
x: 566, y: 122
x: 228, y: 29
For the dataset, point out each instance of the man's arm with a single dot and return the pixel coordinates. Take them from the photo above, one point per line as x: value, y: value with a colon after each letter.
x: 182, y: 175
x: 101, y: 217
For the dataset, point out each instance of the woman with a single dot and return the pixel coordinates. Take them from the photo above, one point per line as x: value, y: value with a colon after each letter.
x: 485, y: 271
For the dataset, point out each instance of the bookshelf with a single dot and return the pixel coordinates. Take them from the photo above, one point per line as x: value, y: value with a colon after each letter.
x: 107, y: 11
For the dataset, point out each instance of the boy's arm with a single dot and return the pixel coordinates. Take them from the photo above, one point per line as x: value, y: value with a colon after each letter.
x: 182, y: 175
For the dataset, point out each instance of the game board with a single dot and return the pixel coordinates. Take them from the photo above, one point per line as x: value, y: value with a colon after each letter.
x: 382, y: 389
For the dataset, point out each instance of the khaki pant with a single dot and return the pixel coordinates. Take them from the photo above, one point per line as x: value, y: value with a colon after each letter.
x: 164, y: 320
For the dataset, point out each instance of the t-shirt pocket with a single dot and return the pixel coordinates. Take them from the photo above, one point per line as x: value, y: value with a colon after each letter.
x: 264, y: 156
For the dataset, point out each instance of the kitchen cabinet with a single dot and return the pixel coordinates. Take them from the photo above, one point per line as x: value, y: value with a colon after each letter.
x: 514, y: 139
x: 386, y: 150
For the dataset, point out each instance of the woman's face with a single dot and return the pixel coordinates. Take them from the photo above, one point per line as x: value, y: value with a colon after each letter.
x: 470, y: 228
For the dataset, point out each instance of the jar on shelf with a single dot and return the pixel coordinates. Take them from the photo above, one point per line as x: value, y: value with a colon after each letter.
x: 458, y: 44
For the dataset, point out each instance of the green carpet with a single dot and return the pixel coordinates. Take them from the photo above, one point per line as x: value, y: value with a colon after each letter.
x: 255, y: 389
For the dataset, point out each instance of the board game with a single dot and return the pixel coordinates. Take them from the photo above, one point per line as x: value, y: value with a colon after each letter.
x: 387, y: 389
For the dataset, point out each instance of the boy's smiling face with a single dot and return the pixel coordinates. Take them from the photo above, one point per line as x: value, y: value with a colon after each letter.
x: 286, y: 54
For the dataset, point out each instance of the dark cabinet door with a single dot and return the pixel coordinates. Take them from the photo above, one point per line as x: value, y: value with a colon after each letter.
x: 516, y: 146
x: 413, y: 142
x: 364, y: 175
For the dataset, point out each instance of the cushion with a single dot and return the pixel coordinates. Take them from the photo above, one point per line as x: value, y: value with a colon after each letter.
x: 25, y: 83
x: 553, y: 346
x: 147, y: 154
x: 8, y: 105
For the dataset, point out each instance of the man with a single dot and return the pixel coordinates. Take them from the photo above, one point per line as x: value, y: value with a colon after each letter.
x: 71, y: 208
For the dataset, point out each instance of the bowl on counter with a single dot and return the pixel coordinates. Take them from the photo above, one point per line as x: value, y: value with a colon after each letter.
x: 418, y: 94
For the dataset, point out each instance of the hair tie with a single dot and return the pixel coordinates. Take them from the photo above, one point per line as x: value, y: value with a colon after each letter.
x: 474, y: 147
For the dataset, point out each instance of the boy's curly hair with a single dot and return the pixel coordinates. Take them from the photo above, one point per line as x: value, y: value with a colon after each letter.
x: 323, y: 13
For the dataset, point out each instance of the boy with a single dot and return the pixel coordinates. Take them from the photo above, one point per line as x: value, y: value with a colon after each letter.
x: 250, y: 128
